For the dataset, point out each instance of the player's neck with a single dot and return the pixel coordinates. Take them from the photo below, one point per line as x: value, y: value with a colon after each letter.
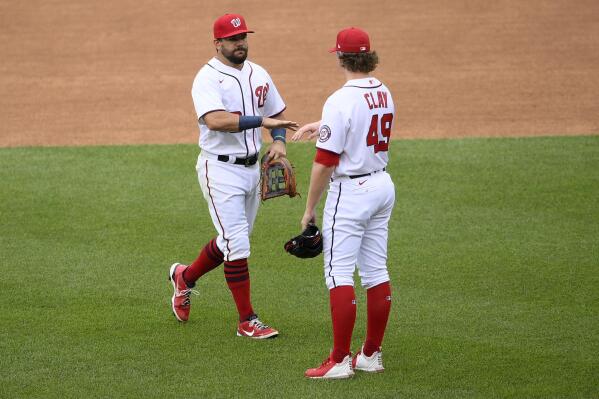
x: 228, y: 63
x: 349, y: 75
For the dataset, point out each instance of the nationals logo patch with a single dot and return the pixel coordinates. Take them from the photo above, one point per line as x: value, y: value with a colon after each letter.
x: 325, y: 133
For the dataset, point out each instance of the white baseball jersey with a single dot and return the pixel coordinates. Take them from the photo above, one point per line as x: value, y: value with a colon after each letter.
x: 356, y: 123
x: 232, y: 191
x: 249, y: 91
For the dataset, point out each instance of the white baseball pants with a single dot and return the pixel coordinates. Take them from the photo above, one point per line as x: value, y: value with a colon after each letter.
x: 233, y: 196
x: 355, y: 229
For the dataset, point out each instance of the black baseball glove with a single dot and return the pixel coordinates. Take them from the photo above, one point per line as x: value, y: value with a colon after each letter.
x: 306, y: 245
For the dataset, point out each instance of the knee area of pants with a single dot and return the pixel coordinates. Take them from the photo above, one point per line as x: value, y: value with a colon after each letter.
x: 337, y: 281
x: 235, y: 252
x: 237, y: 242
x: 374, y: 279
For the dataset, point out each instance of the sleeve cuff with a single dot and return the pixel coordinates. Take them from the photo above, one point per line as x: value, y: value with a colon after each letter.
x: 326, y: 157
x: 283, y: 110
x: 201, y: 118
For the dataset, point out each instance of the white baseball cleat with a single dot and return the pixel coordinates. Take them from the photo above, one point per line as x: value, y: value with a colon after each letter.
x: 369, y: 364
x: 331, y: 370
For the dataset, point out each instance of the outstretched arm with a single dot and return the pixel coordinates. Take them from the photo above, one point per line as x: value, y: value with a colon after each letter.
x: 224, y: 121
x: 278, y: 121
x: 310, y: 128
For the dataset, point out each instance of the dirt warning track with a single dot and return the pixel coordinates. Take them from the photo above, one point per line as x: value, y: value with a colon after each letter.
x: 75, y: 73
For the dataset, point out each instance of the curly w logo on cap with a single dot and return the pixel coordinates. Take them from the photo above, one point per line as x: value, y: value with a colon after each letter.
x: 230, y: 25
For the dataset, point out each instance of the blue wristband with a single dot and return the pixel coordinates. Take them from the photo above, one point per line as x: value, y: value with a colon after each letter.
x: 249, y: 122
x: 278, y: 134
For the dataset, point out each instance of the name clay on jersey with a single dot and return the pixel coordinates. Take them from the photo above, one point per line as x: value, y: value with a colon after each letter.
x: 356, y: 123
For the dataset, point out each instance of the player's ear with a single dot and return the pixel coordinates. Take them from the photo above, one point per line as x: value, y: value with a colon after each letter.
x: 217, y: 44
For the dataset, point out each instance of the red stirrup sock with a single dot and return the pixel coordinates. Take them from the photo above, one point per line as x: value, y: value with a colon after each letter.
x: 378, y: 308
x: 210, y: 257
x: 238, y: 280
x: 343, y: 314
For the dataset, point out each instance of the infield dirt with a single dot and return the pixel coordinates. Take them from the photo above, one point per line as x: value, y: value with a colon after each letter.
x: 120, y: 72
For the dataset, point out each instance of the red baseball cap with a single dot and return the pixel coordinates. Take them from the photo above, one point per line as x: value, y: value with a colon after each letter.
x: 352, y: 40
x: 230, y: 25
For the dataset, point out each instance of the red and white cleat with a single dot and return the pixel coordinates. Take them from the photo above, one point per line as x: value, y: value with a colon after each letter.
x: 181, y: 301
x: 331, y: 370
x: 255, y: 329
x: 369, y: 364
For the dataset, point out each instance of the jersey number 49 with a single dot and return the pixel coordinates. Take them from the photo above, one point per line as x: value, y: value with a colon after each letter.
x: 372, y: 138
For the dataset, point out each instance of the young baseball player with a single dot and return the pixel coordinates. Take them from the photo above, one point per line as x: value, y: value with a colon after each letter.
x: 351, y: 157
x: 233, y: 99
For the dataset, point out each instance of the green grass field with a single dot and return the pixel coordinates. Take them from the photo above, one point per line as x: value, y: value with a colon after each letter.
x: 494, y: 258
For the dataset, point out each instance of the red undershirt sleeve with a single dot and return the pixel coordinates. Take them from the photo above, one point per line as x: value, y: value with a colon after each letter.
x: 326, y: 158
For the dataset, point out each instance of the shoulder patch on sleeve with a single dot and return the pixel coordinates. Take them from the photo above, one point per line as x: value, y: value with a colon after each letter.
x: 325, y: 133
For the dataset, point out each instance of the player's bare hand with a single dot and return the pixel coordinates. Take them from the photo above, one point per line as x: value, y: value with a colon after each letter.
x: 277, y: 150
x: 271, y: 123
x: 309, y: 217
x: 310, y: 128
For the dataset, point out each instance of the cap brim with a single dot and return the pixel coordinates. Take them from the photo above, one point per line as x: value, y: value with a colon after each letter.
x: 333, y: 50
x: 237, y: 32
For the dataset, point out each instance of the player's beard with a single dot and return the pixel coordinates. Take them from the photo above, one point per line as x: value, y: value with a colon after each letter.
x: 235, y: 58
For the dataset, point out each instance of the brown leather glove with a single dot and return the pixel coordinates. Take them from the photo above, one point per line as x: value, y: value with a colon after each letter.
x: 277, y: 177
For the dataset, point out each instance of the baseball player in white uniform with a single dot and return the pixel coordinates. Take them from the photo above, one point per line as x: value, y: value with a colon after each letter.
x: 351, y: 159
x: 233, y: 99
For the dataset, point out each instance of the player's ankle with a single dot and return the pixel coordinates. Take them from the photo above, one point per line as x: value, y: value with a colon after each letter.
x: 370, y: 348
x: 186, y: 281
x: 338, y: 355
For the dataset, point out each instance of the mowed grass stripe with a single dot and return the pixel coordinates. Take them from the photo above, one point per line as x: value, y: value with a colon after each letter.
x: 493, y: 254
